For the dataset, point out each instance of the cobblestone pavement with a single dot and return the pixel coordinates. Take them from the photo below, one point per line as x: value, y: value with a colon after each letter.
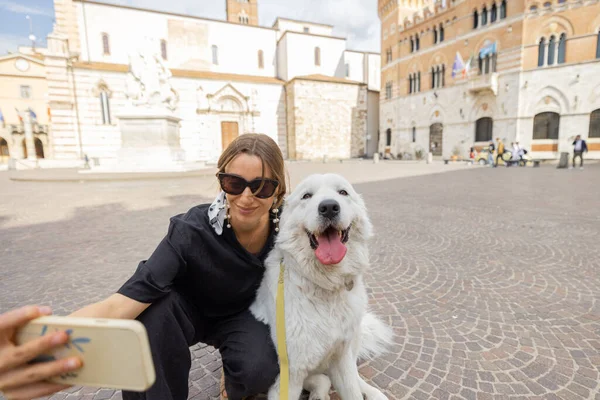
x: 490, y: 277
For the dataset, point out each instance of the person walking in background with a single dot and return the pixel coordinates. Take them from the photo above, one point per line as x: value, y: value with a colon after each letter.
x: 491, y: 149
x: 500, y: 150
x: 579, y: 146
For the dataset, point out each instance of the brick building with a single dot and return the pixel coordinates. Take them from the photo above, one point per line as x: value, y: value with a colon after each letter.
x: 533, y: 77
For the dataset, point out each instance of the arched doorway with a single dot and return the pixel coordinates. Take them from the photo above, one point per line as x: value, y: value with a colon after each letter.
x: 435, y: 138
x: 4, y: 154
x: 24, y: 148
x: 39, y: 148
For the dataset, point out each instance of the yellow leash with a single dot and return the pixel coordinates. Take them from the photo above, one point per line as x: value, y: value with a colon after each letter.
x: 284, y: 366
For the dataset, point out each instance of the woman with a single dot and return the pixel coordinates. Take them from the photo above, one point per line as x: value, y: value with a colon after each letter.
x: 197, y: 286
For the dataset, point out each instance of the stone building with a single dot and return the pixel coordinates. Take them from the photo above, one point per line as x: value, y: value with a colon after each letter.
x: 218, y: 79
x: 533, y: 75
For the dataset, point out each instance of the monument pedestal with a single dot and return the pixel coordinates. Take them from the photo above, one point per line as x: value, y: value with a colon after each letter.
x: 150, y: 141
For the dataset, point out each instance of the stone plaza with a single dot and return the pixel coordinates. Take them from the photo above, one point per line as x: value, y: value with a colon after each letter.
x: 490, y: 277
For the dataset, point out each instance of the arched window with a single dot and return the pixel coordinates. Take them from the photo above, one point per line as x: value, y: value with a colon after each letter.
x: 410, y: 84
x: 105, y: 44
x: 475, y: 19
x: 444, y: 75
x: 432, y: 77
x: 418, y: 81
x: 503, y: 9
x: 163, y: 49
x: 414, y: 134
x: 435, y: 35
x: 551, y: 50
x: 547, y: 4
x: 388, y: 137
x: 484, y: 16
x: 412, y: 45
x: 215, y: 55
x: 438, y: 73
x: 545, y: 125
x: 598, y: 45
x: 105, y: 106
x: 317, y: 56
x: 494, y: 13
x: 541, y: 52
x: 417, y: 43
x: 595, y: 124
x: 484, y: 129
x: 261, y: 59
x: 441, y: 33
x: 562, y: 45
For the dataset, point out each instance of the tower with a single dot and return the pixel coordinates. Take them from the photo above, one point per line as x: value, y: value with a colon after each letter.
x: 242, y: 11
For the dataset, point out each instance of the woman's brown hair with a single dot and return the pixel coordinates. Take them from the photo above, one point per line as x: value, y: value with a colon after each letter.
x: 263, y: 147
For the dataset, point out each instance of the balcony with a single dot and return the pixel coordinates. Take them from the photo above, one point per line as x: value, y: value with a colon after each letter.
x: 484, y: 83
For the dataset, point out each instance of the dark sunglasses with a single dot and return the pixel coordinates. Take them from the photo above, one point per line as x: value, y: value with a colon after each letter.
x: 262, y: 188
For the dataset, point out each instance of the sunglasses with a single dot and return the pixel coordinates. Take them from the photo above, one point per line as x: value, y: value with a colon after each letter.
x: 262, y: 188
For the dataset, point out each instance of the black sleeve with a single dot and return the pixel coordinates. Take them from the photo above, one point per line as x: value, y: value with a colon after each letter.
x: 154, y: 277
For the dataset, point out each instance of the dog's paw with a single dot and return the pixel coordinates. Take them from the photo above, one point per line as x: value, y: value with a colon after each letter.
x: 318, y: 396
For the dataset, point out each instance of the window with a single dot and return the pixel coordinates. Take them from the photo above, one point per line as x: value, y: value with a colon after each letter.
x: 419, y: 81
x: 545, y: 125
x: 412, y: 45
x: 595, y: 124
x: 388, y: 137
x: 215, y: 55
x: 541, y: 52
x: 533, y: 8
x: 484, y: 129
x: 475, y: 19
x: 441, y: 33
x: 317, y: 56
x: 261, y: 59
x: 388, y: 55
x: 551, y: 50
x: 562, y: 44
x: 306, y: 29
x: 414, y: 134
x: 417, y: 43
x: 105, y: 44
x: 443, y: 75
x: 105, y: 107
x: 484, y: 16
x: 438, y: 73
x: 494, y: 13
x: 432, y: 78
x: 25, y: 91
x: 163, y: 49
x: 503, y: 9
x: 435, y: 35
x: 410, y: 84
x: 388, y: 90
x: 598, y: 46
x: 347, y: 70
x: 547, y: 4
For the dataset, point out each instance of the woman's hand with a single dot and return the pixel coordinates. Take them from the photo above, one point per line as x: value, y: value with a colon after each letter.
x: 18, y: 379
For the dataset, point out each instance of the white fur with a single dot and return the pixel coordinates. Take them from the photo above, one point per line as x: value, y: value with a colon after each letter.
x: 327, y: 326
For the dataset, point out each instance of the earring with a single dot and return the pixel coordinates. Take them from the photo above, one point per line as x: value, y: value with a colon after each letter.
x: 227, y: 215
x: 276, y: 219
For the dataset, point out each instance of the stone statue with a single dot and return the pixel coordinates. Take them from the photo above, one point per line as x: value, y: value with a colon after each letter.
x: 148, y: 81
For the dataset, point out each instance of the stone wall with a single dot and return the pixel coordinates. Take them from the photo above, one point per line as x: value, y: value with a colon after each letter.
x: 326, y: 118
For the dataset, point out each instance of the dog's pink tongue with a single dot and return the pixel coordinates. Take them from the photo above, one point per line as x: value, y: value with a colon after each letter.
x: 331, y: 250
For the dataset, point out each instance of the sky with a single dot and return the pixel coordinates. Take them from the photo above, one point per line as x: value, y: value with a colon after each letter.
x: 354, y: 19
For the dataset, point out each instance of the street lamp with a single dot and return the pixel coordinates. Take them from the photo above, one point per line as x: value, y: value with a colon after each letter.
x: 31, y: 35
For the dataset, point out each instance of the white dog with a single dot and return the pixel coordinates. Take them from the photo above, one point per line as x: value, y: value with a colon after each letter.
x: 322, y: 243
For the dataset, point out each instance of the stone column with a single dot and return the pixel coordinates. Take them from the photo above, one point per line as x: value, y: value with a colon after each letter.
x: 29, y: 142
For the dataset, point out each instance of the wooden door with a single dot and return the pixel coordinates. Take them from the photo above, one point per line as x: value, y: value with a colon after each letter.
x: 229, y: 131
x: 435, y: 138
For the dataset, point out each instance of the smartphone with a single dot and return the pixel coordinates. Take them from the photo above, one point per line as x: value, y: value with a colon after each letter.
x: 115, y: 352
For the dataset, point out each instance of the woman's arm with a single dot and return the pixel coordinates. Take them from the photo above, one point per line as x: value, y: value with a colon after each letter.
x: 115, y: 306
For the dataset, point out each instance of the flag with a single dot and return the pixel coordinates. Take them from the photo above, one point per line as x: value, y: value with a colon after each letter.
x: 488, y: 50
x: 467, y: 67
x: 18, y: 114
x: 1, y: 118
x: 49, y: 114
x: 458, y: 66
x: 31, y: 113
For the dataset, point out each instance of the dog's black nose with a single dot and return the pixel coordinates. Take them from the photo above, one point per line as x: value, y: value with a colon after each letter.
x: 329, y: 208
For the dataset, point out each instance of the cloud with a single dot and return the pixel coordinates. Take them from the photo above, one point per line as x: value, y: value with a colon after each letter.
x: 356, y: 20
x: 21, y: 9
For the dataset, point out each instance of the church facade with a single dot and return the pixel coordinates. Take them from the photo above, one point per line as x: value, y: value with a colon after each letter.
x: 220, y: 78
